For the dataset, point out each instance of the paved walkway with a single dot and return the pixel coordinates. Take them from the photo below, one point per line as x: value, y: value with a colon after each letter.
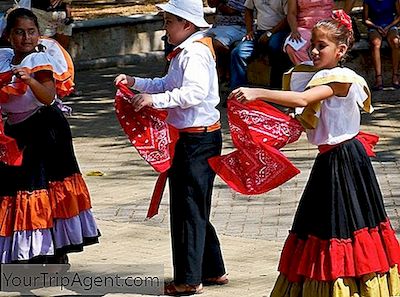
x: 252, y: 229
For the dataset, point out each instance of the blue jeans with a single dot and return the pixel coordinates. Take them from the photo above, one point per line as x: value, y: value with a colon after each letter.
x: 278, y: 60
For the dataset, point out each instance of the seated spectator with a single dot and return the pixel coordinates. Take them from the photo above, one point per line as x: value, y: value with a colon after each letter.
x: 55, y: 19
x: 268, y: 37
x: 302, y: 16
x: 228, y: 28
x: 382, y: 18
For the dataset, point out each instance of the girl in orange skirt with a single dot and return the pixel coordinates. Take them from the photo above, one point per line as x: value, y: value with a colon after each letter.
x: 45, y: 208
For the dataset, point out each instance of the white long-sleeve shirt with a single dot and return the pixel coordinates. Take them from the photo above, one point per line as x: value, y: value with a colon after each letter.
x: 190, y: 88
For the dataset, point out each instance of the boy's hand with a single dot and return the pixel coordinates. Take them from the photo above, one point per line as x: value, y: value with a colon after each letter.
x: 141, y: 100
x: 127, y: 80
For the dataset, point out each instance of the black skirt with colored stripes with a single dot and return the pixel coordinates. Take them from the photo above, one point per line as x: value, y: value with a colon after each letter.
x: 342, y: 195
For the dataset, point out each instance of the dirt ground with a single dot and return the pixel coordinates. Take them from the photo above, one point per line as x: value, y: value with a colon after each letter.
x: 89, y: 9
x: 84, y: 11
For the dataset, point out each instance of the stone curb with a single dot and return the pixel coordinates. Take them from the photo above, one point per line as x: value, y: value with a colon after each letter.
x: 155, y: 56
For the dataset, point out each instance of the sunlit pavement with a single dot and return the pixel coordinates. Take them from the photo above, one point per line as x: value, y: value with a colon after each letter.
x: 252, y: 229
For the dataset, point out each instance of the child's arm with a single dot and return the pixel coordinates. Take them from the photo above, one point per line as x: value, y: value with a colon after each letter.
x: 249, y: 21
x: 42, y: 84
x: 68, y: 10
x: 143, y: 85
x: 291, y: 98
x: 292, y: 19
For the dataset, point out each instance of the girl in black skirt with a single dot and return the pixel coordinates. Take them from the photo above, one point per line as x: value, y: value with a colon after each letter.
x: 45, y: 208
x: 341, y: 242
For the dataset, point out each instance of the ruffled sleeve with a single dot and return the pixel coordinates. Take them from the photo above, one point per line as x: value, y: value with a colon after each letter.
x: 60, y: 63
x: 52, y: 57
x: 359, y: 90
x: 345, y: 75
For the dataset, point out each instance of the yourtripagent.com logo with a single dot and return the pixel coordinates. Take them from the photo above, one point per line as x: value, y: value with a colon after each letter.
x: 96, y: 279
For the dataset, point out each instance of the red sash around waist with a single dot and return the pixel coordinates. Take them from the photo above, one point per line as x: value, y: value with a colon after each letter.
x: 368, y: 140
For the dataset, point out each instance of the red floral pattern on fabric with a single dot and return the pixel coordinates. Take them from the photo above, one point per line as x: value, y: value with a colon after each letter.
x: 147, y: 130
x: 264, y: 123
x: 370, y: 250
x: 257, y: 131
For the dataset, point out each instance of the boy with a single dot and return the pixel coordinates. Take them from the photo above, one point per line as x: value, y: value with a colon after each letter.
x: 190, y: 93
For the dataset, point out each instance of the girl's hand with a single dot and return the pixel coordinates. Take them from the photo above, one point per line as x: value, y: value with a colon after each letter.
x: 386, y: 30
x: 381, y: 31
x: 243, y: 94
x: 295, y: 36
x: 141, y: 100
x: 23, y: 75
x: 127, y: 80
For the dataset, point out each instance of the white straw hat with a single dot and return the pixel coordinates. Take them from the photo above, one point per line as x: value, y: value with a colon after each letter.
x: 190, y: 10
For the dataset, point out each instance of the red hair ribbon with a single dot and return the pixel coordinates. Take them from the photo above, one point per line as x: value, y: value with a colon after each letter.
x: 343, y: 18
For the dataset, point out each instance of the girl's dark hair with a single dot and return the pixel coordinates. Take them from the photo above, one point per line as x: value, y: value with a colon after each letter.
x: 338, y: 33
x: 17, y: 13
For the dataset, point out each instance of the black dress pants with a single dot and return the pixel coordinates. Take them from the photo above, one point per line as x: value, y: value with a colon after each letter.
x: 195, y: 246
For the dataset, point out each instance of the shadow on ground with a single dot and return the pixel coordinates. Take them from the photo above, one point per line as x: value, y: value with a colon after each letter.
x: 94, y: 116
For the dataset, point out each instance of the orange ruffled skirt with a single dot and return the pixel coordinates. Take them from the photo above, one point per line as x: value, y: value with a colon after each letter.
x: 45, y: 207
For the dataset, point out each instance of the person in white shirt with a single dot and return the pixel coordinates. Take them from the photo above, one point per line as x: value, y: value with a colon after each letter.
x: 189, y: 91
x: 267, y: 37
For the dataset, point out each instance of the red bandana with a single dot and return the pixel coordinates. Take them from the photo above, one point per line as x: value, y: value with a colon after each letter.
x: 147, y: 130
x: 150, y: 134
x: 258, y: 130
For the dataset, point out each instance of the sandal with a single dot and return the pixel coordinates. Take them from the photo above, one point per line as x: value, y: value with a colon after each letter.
x: 378, y: 86
x: 395, y: 85
x: 170, y: 289
x: 219, y: 280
